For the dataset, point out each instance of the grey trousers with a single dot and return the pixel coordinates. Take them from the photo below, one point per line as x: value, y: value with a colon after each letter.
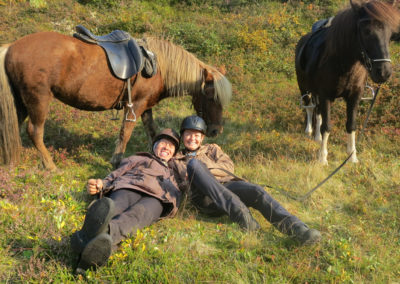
x: 233, y: 198
x: 133, y: 210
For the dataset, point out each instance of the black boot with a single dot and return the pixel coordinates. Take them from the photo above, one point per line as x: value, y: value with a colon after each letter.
x: 95, y: 254
x: 306, y: 236
x: 96, y: 222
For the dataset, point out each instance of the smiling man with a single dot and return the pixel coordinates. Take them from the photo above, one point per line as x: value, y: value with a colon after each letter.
x: 140, y: 192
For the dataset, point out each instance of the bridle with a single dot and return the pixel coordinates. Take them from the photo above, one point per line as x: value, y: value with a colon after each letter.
x: 368, y: 62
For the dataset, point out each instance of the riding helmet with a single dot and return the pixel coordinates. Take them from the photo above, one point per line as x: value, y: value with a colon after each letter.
x: 194, y: 122
x: 170, y: 134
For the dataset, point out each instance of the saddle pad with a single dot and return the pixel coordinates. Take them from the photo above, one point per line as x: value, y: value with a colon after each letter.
x: 311, y: 51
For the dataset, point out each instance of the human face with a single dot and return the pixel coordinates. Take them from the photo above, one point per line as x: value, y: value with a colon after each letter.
x: 192, y: 139
x: 165, y: 149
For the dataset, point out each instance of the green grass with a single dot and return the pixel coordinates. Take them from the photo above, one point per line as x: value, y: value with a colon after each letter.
x: 357, y: 210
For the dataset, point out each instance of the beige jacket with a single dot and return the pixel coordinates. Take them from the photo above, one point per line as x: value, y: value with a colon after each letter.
x: 211, y: 155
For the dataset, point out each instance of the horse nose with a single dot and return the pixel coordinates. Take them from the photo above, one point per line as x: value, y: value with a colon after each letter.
x: 214, y: 131
x: 382, y: 72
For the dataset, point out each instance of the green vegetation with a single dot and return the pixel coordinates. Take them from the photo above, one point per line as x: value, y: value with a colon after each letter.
x: 357, y: 211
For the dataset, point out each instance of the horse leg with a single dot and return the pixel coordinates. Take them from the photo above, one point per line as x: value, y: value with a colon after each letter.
x: 35, y: 129
x: 309, y: 112
x: 352, y: 108
x: 149, y: 126
x: 325, y: 106
x: 318, y: 122
x: 125, y: 133
x: 307, y: 103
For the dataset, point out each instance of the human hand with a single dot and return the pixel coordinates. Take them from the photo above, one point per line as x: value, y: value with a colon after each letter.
x: 94, y: 186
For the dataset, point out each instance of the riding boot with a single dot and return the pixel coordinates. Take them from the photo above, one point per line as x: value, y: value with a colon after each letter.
x: 306, y: 236
x: 96, y: 222
x: 95, y: 254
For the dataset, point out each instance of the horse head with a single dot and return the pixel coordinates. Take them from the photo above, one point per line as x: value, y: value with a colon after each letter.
x: 375, y: 23
x: 215, y: 94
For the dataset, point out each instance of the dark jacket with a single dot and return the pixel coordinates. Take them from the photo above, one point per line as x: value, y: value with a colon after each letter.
x: 146, y: 173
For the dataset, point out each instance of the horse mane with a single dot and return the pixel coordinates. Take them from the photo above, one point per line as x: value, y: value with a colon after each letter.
x: 343, y: 30
x: 182, y: 72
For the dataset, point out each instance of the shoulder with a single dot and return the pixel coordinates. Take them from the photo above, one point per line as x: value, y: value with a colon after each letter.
x: 210, y: 148
x: 142, y: 158
x: 178, y: 156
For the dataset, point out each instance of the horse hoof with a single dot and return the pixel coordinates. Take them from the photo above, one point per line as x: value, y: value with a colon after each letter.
x: 308, y: 134
x: 116, y: 160
x: 323, y: 162
x: 51, y: 167
x: 354, y: 160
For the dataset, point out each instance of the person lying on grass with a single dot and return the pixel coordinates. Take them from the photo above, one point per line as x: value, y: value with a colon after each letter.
x: 208, y: 172
x: 140, y: 192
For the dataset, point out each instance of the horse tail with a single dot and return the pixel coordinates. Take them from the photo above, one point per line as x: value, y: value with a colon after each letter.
x: 10, y: 140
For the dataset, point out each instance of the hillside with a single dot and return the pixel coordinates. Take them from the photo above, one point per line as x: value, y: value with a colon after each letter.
x: 357, y: 210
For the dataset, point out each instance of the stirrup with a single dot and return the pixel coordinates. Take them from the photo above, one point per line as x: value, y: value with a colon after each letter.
x: 302, y: 105
x: 372, y: 96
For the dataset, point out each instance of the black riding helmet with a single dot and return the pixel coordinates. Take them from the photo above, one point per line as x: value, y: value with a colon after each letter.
x: 194, y: 122
x: 170, y: 134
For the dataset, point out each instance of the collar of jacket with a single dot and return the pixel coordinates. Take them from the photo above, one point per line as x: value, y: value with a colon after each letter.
x: 154, y: 157
x: 183, y: 154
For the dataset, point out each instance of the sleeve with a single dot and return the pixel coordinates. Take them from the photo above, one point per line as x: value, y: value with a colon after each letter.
x: 125, y: 165
x: 219, y: 160
x: 179, y: 173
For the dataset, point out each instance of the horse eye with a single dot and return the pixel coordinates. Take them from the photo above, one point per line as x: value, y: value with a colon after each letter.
x: 366, y: 31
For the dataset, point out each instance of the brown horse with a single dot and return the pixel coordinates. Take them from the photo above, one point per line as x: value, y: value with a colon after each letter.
x: 335, y: 60
x: 40, y: 66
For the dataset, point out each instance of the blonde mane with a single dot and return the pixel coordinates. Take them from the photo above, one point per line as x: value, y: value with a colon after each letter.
x: 182, y: 72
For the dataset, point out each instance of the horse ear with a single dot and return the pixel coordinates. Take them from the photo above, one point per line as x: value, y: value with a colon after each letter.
x: 354, y: 6
x: 222, y: 69
x: 207, y: 75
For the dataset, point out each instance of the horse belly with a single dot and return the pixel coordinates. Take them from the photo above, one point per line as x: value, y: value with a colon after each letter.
x: 50, y: 64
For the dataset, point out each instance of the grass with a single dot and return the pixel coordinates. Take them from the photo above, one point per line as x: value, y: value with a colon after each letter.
x: 357, y: 210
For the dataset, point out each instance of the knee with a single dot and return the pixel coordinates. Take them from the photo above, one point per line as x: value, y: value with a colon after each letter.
x: 193, y: 166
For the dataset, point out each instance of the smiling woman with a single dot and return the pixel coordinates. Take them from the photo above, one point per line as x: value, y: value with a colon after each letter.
x: 166, y: 144
x: 140, y: 192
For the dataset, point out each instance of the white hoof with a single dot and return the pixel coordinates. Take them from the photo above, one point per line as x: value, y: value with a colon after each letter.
x: 323, y: 162
x: 353, y: 159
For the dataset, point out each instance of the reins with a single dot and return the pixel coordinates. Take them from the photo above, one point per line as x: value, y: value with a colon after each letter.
x: 303, y: 197
x: 308, y: 194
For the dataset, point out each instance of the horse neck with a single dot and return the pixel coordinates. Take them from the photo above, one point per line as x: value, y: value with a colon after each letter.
x: 345, y: 55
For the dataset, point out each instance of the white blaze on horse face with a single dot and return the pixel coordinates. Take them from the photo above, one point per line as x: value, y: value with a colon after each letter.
x: 351, y: 146
x: 318, y: 128
x: 309, y: 112
x: 323, y: 154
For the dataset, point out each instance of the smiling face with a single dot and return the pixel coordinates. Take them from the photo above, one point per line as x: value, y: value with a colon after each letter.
x: 192, y: 139
x: 165, y: 149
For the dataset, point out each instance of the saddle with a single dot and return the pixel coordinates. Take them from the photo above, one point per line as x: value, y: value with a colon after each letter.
x: 311, y: 50
x: 125, y: 56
